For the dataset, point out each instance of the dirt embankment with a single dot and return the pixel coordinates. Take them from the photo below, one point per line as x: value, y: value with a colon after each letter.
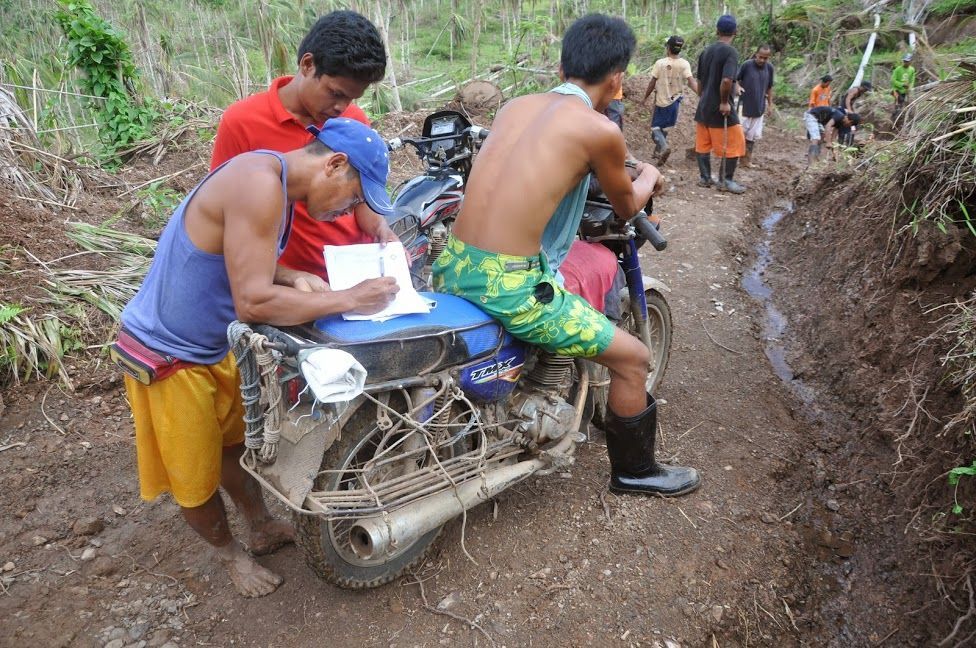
x: 860, y: 291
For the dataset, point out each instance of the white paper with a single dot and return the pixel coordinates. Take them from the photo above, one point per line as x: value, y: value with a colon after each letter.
x: 351, y: 264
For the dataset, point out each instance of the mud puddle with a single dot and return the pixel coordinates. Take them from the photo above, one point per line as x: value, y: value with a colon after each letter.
x: 774, y: 322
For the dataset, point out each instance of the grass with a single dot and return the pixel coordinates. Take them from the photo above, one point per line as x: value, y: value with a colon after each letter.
x: 35, y: 336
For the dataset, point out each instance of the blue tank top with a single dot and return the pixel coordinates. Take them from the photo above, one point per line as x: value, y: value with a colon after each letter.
x: 185, y: 304
x: 562, y: 227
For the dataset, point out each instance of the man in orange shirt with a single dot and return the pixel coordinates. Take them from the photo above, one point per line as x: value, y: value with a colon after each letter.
x: 338, y: 59
x: 615, y: 111
x: 820, y: 95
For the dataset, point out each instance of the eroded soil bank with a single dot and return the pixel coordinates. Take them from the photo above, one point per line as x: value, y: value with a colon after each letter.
x: 864, y: 333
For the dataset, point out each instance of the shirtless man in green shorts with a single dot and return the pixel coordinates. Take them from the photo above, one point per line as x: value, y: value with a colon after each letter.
x: 537, y: 159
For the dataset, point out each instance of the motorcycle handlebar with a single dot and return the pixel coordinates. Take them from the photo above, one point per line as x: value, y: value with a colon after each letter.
x: 648, y: 231
x: 477, y: 134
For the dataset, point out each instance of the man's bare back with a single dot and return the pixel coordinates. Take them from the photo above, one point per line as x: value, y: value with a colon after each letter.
x: 540, y: 147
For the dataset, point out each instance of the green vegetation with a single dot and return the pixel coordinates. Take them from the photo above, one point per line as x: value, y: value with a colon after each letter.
x: 954, y: 476
x: 108, y: 74
x: 946, y: 8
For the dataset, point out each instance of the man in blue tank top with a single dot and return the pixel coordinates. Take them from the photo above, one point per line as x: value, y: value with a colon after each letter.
x: 216, y: 262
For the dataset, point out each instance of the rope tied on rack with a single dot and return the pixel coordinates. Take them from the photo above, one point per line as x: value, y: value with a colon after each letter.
x: 260, y: 390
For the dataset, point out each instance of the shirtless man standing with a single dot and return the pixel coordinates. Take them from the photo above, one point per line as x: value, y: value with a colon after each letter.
x: 531, y: 170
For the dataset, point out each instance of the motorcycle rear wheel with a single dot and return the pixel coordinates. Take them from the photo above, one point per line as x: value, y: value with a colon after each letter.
x: 326, y: 544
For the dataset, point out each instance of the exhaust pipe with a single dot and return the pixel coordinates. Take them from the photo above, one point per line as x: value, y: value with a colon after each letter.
x: 377, y: 536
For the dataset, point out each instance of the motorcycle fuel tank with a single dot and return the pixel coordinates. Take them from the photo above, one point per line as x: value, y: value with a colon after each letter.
x: 429, y: 197
x: 494, y: 378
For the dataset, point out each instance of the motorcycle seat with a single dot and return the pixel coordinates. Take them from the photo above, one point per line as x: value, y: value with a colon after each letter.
x: 454, y: 332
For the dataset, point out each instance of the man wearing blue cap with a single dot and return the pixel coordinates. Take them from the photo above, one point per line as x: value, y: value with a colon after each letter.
x: 717, y: 126
x: 216, y: 262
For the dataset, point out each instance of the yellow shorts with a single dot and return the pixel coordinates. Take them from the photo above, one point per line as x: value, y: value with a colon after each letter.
x: 183, y: 422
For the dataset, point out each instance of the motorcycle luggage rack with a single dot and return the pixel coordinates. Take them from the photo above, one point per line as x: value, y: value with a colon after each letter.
x: 404, y: 489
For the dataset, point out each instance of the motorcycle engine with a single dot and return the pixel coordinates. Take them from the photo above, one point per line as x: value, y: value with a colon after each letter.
x: 437, y: 235
x: 539, y: 405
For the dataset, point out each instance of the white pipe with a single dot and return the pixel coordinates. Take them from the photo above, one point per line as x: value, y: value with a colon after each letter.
x: 867, y: 52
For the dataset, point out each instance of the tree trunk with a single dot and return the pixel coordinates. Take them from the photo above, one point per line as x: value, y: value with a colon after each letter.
x: 455, y: 35
x: 383, y: 23
x: 479, y: 11
x: 698, y: 16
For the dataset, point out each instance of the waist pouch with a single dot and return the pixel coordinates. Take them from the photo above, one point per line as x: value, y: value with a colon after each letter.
x: 142, y: 363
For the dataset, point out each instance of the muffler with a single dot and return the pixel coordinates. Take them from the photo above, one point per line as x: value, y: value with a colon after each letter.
x: 376, y: 536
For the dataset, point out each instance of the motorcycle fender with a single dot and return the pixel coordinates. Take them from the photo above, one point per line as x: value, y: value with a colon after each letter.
x: 304, y: 440
x: 650, y: 283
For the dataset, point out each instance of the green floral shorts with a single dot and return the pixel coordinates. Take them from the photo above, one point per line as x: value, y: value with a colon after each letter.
x: 522, y: 294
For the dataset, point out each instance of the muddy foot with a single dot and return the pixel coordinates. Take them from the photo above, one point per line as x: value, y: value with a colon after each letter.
x: 249, y: 578
x: 270, y: 536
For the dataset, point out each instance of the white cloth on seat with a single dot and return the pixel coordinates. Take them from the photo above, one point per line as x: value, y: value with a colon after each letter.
x: 333, y: 376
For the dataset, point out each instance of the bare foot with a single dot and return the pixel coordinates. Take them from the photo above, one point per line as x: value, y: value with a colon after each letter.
x: 270, y: 535
x: 249, y: 578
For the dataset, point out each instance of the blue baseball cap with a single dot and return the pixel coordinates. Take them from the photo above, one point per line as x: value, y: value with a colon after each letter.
x: 367, y: 154
x: 726, y: 25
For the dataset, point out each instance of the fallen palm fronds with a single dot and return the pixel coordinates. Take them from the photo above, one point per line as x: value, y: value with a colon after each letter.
x: 38, y: 175
x: 34, y: 340
x: 32, y: 345
x: 959, y: 327
x: 932, y: 166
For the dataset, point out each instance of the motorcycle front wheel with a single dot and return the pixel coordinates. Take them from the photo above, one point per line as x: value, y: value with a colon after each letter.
x: 661, y: 330
x: 326, y: 544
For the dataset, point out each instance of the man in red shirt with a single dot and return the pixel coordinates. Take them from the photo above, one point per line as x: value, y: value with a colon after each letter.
x: 337, y: 60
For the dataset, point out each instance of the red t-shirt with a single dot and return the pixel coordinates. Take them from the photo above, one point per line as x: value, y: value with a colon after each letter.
x: 261, y: 122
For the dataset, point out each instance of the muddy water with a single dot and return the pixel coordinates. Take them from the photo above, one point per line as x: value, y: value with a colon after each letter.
x: 774, y: 322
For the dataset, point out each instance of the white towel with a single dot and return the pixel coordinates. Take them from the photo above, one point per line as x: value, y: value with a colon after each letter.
x: 333, y: 375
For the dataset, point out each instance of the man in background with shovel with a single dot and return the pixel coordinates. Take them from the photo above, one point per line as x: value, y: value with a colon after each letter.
x: 717, y: 126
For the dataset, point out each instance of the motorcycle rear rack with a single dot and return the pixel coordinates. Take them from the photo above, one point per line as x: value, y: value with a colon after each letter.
x: 371, y: 499
x: 417, y: 485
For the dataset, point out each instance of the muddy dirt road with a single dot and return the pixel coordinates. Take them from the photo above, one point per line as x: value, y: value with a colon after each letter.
x: 558, y: 562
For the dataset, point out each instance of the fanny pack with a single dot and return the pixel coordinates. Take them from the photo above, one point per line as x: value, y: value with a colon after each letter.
x: 139, y: 361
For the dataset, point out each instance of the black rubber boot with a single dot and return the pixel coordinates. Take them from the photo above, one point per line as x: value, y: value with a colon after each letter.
x: 727, y: 183
x: 705, y: 169
x: 747, y: 158
x: 813, y: 153
x: 661, y: 149
x: 630, y: 446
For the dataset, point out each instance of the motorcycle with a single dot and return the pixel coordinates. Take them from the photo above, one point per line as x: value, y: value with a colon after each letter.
x: 454, y: 411
x: 426, y: 205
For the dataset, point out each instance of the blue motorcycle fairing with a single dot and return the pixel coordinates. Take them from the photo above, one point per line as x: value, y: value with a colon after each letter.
x: 453, y: 333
